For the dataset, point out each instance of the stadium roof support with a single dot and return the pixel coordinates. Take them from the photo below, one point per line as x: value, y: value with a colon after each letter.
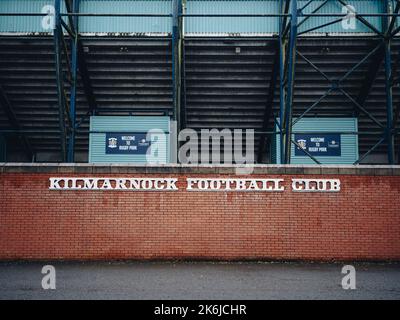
x: 381, y: 52
x: 287, y: 65
x: 291, y: 17
x: 288, y: 34
x: 74, y: 60
x: 388, y: 24
x: 177, y: 54
x: 370, y: 76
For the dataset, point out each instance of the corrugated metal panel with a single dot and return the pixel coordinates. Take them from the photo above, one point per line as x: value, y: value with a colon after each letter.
x: 127, y: 24
x: 361, y: 6
x: 92, y: 24
x: 121, y: 124
x: 195, y: 25
x: 231, y: 25
x: 349, y: 143
x: 23, y: 23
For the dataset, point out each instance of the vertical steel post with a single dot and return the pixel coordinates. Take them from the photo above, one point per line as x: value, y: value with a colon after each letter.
x: 177, y: 61
x: 388, y: 85
x: 290, y: 81
x: 283, y: 5
x: 74, y: 67
x: 59, y: 79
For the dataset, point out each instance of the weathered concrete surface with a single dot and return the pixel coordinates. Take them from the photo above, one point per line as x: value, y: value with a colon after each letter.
x: 201, y: 280
x: 369, y: 170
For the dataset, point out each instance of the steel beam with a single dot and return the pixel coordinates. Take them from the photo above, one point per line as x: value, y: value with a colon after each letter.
x: 177, y: 62
x: 74, y: 82
x: 270, y: 101
x: 370, y: 76
x: 376, y: 63
x: 283, y: 27
x: 176, y: 57
x: 183, y: 91
x: 363, y: 20
x: 388, y: 86
x: 290, y: 78
x: 81, y: 61
x: 77, y: 61
x: 59, y: 79
x: 12, y: 117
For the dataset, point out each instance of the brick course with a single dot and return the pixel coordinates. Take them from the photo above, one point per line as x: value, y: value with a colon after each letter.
x: 361, y: 222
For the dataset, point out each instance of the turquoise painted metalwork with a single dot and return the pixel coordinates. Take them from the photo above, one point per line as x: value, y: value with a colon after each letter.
x: 349, y: 142
x: 110, y: 124
x: 232, y: 24
x: 195, y: 25
x: 126, y: 24
x: 23, y: 23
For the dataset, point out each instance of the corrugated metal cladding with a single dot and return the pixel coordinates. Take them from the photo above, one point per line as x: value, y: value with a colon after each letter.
x: 231, y: 25
x: 271, y: 25
x: 126, y: 24
x: 349, y: 143
x: 193, y: 25
x: 333, y: 6
x: 92, y: 24
x: 113, y: 124
x: 23, y: 23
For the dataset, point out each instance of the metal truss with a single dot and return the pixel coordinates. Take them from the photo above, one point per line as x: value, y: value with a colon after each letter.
x: 74, y: 60
x: 380, y: 53
x: 70, y: 59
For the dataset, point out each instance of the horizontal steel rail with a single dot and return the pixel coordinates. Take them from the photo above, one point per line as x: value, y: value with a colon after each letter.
x: 202, y: 15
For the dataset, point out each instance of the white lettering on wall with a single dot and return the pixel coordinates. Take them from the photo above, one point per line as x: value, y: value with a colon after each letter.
x: 201, y: 184
x: 316, y: 185
x: 132, y: 184
x: 194, y: 184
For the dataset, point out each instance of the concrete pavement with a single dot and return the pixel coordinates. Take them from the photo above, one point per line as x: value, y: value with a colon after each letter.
x: 198, y: 280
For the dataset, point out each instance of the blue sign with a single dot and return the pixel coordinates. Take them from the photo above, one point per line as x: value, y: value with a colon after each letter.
x: 126, y: 143
x: 318, y: 145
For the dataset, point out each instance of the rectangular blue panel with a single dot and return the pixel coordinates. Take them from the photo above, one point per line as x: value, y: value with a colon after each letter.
x: 340, y: 130
x: 127, y: 143
x: 318, y: 145
x: 102, y: 128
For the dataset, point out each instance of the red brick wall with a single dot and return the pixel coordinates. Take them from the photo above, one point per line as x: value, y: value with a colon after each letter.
x: 362, y: 221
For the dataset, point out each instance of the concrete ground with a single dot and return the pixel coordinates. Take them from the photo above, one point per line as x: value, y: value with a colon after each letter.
x: 198, y: 280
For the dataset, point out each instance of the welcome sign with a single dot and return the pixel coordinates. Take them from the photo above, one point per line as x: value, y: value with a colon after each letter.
x: 127, y: 143
x: 194, y: 184
x: 318, y: 145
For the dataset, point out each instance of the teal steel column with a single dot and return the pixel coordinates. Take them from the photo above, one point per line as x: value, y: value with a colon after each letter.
x: 74, y: 67
x: 388, y: 85
x: 177, y: 62
x: 283, y: 9
x: 59, y: 79
x: 290, y: 77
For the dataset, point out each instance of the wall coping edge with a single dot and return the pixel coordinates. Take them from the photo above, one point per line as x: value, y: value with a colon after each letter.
x: 85, y: 168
